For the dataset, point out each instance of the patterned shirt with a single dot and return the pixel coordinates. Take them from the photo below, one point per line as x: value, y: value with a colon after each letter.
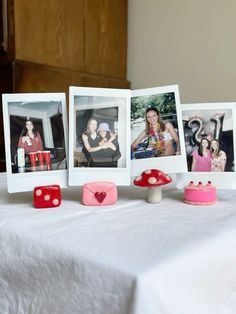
x: 218, y: 162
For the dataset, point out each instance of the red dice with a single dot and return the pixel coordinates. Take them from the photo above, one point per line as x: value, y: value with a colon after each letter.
x: 47, y: 196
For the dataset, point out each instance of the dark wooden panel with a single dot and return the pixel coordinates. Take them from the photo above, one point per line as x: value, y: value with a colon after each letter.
x: 40, y: 78
x: 102, y: 81
x: 5, y: 87
x: 2, y: 30
x: 50, y: 32
x: 31, y: 77
x: 106, y: 37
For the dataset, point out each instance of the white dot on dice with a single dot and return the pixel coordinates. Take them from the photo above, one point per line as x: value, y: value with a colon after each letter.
x: 38, y: 192
x: 55, y: 201
x: 47, y: 197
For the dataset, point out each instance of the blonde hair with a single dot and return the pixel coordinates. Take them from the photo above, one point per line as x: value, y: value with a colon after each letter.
x: 88, y: 131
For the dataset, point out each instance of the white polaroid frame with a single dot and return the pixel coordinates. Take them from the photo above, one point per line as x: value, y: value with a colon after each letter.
x: 120, y: 98
x: 168, y: 164
x: 222, y: 180
x: 36, y: 103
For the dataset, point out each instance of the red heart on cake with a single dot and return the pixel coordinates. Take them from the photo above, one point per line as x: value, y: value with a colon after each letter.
x: 100, y: 196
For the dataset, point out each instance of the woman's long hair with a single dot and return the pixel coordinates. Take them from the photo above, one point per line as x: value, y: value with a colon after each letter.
x: 200, y: 148
x: 162, y: 125
x: 217, y: 151
x: 25, y: 130
x: 88, y: 131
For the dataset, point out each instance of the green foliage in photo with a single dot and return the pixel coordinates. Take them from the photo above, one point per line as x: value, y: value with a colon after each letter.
x: 165, y: 103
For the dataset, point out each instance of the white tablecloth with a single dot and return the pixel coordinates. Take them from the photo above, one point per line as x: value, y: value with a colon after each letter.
x: 129, y: 258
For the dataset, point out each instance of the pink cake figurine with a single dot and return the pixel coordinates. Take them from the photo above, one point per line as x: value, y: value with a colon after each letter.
x: 200, y: 194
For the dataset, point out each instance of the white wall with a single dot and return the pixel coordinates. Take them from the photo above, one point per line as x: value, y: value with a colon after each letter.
x: 187, y: 42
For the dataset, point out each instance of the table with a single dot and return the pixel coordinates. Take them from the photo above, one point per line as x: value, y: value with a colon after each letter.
x: 128, y: 258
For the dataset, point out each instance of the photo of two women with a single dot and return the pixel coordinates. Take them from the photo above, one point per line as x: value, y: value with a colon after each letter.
x: 209, y: 140
x: 97, y: 135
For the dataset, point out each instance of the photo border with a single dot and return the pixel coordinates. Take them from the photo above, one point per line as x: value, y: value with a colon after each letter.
x: 166, y: 164
x: 81, y: 175
x: 222, y: 180
x: 21, y: 182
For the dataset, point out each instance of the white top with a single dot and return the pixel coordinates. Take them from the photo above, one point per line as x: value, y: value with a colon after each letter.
x: 128, y: 258
x: 167, y: 136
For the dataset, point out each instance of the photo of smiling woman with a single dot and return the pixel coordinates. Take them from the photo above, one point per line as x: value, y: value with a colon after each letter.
x: 35, y: 131
x: 154, y: 126
x: 157, y: 139
x: 158, y: 135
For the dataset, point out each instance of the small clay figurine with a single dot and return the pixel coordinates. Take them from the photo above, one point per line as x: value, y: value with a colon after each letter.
x: 200, y: 194
x: 153, y: 179
x: 47, y: 196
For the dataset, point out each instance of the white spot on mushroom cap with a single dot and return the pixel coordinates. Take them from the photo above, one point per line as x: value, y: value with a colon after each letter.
x: 152, y: 180
x: 148, y: 171
x: 138, y: 178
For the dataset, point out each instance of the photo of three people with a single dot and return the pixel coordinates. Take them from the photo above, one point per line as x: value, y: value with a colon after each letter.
x: 155, y: 130
x: 208, y: 134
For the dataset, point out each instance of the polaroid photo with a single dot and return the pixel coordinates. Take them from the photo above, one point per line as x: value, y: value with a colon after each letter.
x: 210, y: 144
x: 35, y: 132
x: 157, y: 139
x: 99, y: 135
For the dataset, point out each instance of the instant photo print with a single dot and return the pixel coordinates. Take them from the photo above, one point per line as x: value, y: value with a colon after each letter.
x: 99, y: 141
x: 209, y: 134
x: 35, y: 130
x: 157, y: 139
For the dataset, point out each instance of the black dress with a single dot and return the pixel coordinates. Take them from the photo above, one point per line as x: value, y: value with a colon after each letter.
x: 102, y: 158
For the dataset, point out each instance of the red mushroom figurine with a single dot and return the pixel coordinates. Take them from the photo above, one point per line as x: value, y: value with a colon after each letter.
x: 153, y: 179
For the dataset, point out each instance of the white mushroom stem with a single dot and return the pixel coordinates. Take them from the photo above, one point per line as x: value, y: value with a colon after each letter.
x: 154, y: 194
